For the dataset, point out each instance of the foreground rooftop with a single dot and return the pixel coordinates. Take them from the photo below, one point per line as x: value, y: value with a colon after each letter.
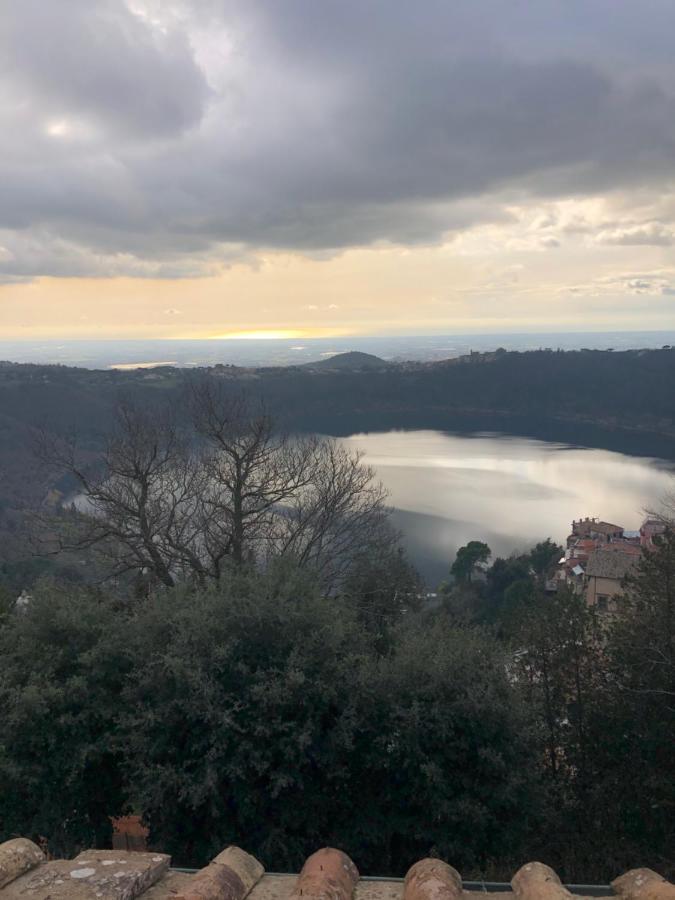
x: 25, y: 874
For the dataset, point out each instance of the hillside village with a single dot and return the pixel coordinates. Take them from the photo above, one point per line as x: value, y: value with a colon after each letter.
x: 598, y: 557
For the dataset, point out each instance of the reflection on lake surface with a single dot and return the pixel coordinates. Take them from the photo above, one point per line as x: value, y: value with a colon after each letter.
x: 508, y: 491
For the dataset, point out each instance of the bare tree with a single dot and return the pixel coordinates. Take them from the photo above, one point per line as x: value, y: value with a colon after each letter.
x: 337, y: 516
x: 141, y: 502
x: 186, y: 503
x: 251, y: 469
x: 666, y: 511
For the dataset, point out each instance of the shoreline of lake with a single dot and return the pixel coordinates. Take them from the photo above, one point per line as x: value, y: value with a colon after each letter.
x: 510, y: 491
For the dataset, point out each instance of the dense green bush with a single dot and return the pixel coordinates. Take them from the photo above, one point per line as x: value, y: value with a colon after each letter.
x: 444, y: 762
x: 62, y: 667
x: 637, y: 755
x: 240, y: 715
x: 263, y: 713
x: 268, y: 720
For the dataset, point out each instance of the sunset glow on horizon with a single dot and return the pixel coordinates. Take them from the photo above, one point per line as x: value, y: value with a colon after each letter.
x: 261, y: 171
x: 261, y: 335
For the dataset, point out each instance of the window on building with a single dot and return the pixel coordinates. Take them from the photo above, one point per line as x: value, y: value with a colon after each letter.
x: 602, y: 602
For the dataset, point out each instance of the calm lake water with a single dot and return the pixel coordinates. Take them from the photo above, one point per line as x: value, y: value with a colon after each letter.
x: 510, y: 492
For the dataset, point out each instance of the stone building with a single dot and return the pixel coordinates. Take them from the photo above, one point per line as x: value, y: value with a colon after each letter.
x: 604, y: 572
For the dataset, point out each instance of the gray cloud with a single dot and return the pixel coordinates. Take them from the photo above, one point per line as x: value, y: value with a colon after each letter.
x: 168, y: 139
x: 98, y: 60
x: 25, y: 254
x: 654, y: 234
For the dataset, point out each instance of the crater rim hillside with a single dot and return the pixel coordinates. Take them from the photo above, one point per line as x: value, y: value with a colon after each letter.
x: 615, y: 400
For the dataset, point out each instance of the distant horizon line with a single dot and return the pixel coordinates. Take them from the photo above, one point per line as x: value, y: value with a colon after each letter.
x: 337, y: 337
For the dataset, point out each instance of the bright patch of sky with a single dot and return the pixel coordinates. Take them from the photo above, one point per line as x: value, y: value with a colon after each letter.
x: 192, y: 169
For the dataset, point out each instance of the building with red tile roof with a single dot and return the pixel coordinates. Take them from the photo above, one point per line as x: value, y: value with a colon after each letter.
x: 600, y: 555
x: 596, y: 529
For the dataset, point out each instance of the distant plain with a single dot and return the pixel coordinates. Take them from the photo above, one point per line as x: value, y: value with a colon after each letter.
x: 93, y: 354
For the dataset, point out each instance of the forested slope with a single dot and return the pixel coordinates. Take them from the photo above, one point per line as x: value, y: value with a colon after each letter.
x: 623, y: 401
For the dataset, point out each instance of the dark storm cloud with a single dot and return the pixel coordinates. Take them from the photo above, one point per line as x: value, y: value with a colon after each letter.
x: 169, y: 131
x: 94, y: 58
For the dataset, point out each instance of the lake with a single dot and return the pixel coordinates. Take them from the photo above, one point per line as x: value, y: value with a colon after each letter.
x: 511, y: 492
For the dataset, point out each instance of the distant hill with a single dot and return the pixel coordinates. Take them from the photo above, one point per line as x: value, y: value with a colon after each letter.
x: 352, y: 361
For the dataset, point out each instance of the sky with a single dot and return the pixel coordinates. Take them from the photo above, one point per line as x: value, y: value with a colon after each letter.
x: 208, y: 168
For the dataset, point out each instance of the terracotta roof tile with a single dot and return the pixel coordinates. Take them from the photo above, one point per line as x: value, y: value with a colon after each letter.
x: 327, y: 874
x: 643, y: 884
x: 234, y: 875
x: 16, y: 857
x: 230, y: 876
x: 606, y: 528
x: 609, y: 564
x: 432, y: 879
